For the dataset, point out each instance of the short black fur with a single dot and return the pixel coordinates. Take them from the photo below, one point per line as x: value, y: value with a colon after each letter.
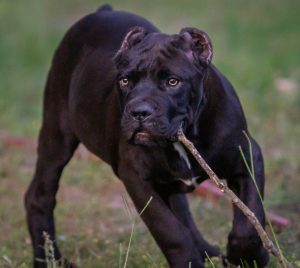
x: 123, y: 89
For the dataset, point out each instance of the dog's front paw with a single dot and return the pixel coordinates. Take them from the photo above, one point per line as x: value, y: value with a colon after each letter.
x: 249, y: 249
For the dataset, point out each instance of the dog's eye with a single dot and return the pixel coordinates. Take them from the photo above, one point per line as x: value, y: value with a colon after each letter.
x: 172, y: 82
x: 124, y: 82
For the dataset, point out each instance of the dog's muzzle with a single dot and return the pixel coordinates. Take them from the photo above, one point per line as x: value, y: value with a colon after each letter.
x: 146, y: 123
x: 139, y: 117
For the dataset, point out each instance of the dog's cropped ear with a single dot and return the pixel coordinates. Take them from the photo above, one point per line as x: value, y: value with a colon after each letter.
x: 200, y: 45
x: 134, y: 36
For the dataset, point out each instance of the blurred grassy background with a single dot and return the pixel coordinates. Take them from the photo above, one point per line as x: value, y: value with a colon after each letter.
x: 256, y: 46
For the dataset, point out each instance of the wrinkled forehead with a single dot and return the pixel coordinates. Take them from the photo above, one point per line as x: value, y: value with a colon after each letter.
x: 157, y: 52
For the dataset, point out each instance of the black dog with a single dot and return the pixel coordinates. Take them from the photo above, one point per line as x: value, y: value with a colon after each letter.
x: 124, y: 89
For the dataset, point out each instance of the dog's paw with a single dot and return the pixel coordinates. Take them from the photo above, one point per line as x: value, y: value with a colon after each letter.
x: 61, y: 263
x: 242, y: 250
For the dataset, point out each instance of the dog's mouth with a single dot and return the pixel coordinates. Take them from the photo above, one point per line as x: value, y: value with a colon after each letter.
x: 146, y: 137
x: 142, y: 135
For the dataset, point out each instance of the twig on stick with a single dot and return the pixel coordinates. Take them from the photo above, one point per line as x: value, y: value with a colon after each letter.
x: 267, y: 242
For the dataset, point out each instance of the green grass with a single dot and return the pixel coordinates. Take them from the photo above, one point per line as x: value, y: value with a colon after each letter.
x: 255, y: 44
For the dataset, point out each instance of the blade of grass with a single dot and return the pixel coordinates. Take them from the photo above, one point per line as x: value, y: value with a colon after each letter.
x: 49, y: 252
x: 152, y: 260
x: 147, y: 204
x: 127, y: 208
x: 129, y: 244
x: 120, y: 255
x: 242, y: 262
x: 133, y: 223
x: 209, y: 259
x: 252, y: 175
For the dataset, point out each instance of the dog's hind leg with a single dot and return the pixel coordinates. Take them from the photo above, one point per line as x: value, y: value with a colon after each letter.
x: 55, y: 149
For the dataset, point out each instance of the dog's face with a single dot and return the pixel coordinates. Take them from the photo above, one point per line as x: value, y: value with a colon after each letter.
x: 160, y: 83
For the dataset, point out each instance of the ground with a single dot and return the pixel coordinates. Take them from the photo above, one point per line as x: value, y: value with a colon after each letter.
x: 256, y: 46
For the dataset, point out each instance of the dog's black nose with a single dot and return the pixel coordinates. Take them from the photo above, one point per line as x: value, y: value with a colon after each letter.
x: 141, y: 111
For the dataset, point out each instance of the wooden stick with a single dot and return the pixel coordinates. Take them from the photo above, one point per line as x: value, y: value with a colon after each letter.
x: 267, y: 242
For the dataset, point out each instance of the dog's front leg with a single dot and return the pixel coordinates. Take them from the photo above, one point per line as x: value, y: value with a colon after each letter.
x: 244, y: 244
x: 179, y: 205
x: 172, y: 236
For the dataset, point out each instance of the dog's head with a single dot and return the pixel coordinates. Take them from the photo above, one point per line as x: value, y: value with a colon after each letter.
x: 160, y: 81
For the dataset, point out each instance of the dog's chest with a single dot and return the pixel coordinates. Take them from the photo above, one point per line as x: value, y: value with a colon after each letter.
x: 182, y: 165
x: 183, y: 156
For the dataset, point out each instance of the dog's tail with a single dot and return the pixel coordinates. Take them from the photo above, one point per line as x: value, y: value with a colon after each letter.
x: 105, y: 7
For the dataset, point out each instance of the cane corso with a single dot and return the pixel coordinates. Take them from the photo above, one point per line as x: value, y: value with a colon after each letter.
x: 123, y: 89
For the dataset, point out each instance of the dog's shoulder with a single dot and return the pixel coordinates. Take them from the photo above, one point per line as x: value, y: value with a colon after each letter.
x: 224, y: 106
x: 221, y: 90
